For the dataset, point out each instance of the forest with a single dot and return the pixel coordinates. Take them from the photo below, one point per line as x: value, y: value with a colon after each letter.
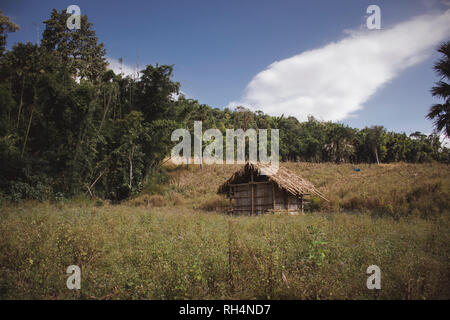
x: 69, y: 125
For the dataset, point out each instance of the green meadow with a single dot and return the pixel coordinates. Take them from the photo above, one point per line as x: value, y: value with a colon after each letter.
x: 176, y: 241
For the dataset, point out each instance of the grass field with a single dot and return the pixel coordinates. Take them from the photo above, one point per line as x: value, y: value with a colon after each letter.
x: 174, y: 241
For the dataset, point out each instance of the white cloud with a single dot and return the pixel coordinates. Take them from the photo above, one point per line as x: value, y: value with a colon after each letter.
x: 117, y: 67
x: 336, y: 80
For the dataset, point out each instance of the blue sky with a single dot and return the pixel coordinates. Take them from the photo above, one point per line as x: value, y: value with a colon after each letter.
x: 220, y: 48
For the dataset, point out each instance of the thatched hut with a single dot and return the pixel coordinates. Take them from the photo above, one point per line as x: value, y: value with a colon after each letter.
x: 257, y: 188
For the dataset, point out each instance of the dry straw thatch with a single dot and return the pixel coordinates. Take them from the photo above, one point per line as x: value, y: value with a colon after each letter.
x: 283, y: 178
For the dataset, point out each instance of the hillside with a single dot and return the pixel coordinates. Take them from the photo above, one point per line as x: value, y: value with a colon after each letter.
x: 176, y: 244
x: 398, y: 189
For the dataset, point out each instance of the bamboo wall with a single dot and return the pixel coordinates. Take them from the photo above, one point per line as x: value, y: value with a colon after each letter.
x: 265, y: 195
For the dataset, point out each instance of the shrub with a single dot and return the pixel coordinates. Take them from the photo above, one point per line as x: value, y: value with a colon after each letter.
x: 176, y: 199
x: 156, y: 182
x: 98, y: 203
x: 215, y: 203
x: 35, y: 190
x: 315, y: 203
x: 147, y: 200
x: 157, y: 201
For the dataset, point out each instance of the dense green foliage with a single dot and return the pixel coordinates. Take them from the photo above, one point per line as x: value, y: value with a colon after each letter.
x: 69, y: 125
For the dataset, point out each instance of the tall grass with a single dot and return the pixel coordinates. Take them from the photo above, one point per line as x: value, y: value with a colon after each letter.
x: 134, y: 253
x: 172, y: 244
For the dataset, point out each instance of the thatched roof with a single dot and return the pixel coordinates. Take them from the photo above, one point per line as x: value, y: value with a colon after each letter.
x: 283, y: 178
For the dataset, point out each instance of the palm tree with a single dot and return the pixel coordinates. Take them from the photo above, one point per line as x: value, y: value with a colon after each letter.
x: 440, y: 113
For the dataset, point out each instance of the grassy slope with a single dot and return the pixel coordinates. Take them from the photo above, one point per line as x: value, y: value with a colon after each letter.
x: 172, y: 249
x: 389, y: 189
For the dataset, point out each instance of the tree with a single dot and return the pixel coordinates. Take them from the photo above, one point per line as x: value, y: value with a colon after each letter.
x: 440, y: 113
x: 6, y: 26
x: 78, y: 49
x: 340, y: 146
x: 375, y: 139
x: 154, y: 93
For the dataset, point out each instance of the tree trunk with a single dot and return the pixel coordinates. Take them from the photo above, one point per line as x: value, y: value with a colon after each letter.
x: 21, y: 103
x: 130, y: 158
x: 105, y: 109
x: 376, y: 155
x: 29, y: 123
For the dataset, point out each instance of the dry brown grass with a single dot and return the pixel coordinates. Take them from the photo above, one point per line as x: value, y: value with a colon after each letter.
x: 394, y: 189
x: 155, y: 200
x: 166, y: 246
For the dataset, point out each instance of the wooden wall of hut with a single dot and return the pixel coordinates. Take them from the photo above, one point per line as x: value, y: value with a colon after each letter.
x: 266, y: 196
